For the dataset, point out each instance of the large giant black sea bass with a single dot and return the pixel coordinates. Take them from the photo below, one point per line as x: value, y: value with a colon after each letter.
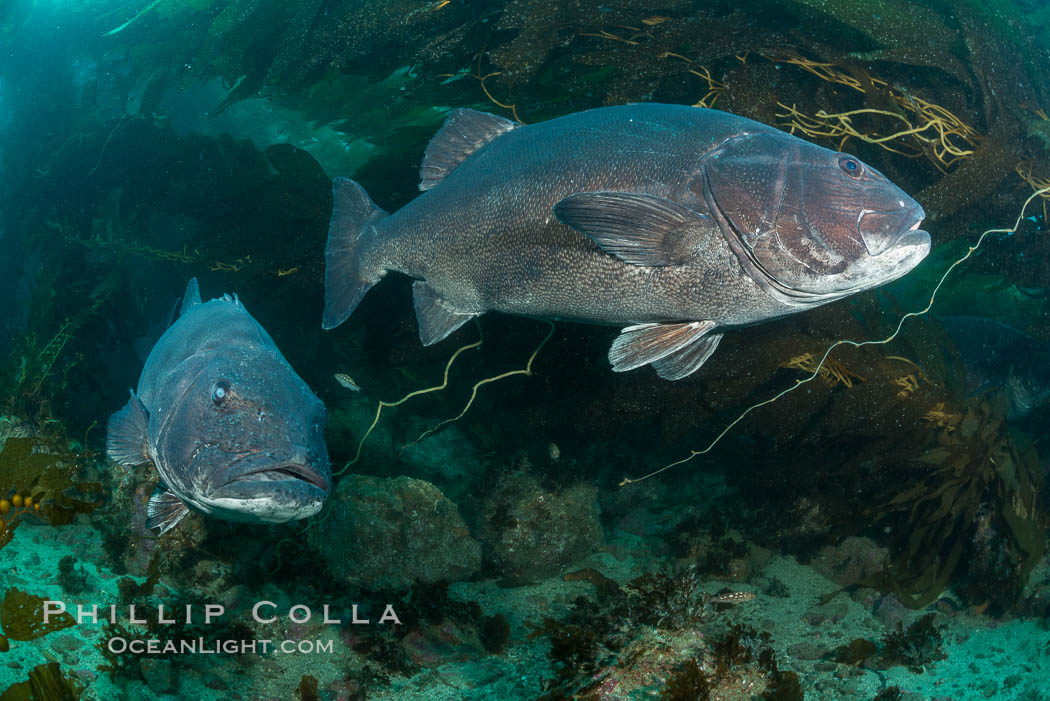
x: 676, y: 222
x: 232, y: 430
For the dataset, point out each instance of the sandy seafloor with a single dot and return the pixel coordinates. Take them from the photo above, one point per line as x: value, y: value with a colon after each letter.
x: 985, y: 658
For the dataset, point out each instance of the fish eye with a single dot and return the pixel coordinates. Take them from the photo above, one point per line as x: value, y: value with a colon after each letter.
x: 850, y: 165
x: 220, y: 391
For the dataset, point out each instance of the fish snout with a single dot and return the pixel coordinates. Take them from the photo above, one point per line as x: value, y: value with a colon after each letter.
x: 882, y: 231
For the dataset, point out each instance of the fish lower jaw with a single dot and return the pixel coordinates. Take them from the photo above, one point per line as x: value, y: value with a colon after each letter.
x: 262, y: 509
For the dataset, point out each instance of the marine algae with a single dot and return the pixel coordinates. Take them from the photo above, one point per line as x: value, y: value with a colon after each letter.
x: 975, y: 475
x: 655, y: 636
x: 916, y: 647
x: 923, y: 128
x: 44, y: 471
x: 832, y: 371
x: 118, y: 666
x: 37, y: 371
x: 46, y: 682
x: 22, y: 616
x: 527, y: 371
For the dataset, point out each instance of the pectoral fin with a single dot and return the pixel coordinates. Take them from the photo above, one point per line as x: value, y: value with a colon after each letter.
x: 636, y: 228
x: 687, y: 360
x: 436, y: 318
x: 127, y: 434
x: 649, y: 343
x: 164, y: 510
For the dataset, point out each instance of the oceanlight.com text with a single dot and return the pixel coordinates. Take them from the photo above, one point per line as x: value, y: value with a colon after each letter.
x: 200, y: 646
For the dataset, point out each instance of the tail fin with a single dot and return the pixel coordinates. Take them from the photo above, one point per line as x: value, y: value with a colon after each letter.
x: 346, y: 280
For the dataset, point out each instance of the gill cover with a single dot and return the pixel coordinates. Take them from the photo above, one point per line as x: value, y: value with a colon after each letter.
x: 814, y: 221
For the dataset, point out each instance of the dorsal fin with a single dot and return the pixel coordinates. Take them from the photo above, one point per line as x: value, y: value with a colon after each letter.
x: 191, y: 298
x: 464, y: 132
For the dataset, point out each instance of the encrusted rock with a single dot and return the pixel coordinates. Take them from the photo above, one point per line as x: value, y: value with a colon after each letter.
x: 890, y: 611
x: 806, y: 651
x: 158, y: 674
x: 531, y: 534
x: 122, y: 523
x: 390, y: 533
x: 853, y: 560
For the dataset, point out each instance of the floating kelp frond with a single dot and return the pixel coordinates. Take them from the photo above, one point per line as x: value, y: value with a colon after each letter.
x: 832, y: 371
x: 949, y: 139
x: 908, y: 384
x: 1037, y: 182
x: 38, y: 366
x: 941, y: 418
x: 141, y: 13
x: 922, y: 127
x: 714, y: 87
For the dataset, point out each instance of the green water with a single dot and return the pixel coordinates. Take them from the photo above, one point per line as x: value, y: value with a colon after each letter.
x: 146, y: 143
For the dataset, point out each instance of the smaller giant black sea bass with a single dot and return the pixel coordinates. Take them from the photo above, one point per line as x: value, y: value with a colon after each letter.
x: 673, y: 221
x: 232, y: 430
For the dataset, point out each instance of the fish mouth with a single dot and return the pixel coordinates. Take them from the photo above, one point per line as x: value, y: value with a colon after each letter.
x: 881, y: 231
x: 258, y: 487
x: 914, y: 237
x: 285, y: 472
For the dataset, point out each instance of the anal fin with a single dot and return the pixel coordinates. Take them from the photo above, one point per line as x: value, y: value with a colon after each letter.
x: 436, y: 319
x: 687, y: 360
x: 127, y: 434
x: 647, y: 343
x: 164, y: 510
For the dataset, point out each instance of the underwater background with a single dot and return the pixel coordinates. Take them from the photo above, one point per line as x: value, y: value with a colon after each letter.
x: 879, y: 532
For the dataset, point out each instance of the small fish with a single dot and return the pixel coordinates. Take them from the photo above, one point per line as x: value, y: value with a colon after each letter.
x: 733, y: 597
x: 346, y: 381
x: 675, y: 223
x: 233, y: 432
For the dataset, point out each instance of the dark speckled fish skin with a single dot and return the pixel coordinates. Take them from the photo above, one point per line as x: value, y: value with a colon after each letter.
x: 648, y: 214
x: 536, y: 266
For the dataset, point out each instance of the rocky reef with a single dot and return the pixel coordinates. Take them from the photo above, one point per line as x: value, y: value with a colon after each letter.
x: 531, y: 534
x: 393, y: 533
